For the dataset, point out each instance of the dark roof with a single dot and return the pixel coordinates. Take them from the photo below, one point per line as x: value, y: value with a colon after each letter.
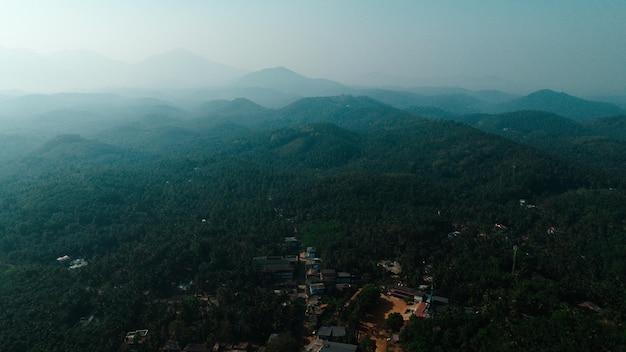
x: 331, y: 331
x: 338, y: 347
x: 324, y: 331
x: 275, y: 268
x: 407, y: 291
x: 319, y: 345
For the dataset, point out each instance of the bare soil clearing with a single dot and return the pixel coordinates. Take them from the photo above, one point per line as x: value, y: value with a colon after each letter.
x: 374, y: 323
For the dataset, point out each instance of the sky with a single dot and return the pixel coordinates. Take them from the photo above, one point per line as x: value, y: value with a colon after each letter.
x: 566, y: 45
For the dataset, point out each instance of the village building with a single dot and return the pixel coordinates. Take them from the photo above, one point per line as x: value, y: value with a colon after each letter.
x: 136, y: 337
x: 331, y: 332
x: 277, y: 270
x: 319, y: 345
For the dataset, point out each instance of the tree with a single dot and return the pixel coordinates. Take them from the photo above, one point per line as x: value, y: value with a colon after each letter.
x: 283, y: 342
x: 394, y: 322
x: 367, y: 345
x: 368, y: 296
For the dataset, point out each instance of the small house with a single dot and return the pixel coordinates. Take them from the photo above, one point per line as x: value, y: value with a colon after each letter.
x: 317, y: 289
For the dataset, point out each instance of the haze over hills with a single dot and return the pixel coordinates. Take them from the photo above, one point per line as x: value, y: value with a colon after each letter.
x: 83, y: 70
x: 193, y: 194
x: 184, y: 77
x: 286, y: 81
x: 458, y: 166
x: 182, y: 86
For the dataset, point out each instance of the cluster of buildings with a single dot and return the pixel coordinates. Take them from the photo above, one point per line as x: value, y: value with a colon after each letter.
x: 425, y: 300
x: 306, y: 272
x: 286, y: 271
x: 327, y: 340
x: 319, y: 280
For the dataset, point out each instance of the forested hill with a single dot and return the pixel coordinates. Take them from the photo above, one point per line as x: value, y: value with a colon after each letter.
x: 356, y: 113
x: 562, y: 104
x: 597, y: 143
x: 455, y: 102
x: 166, y: 201
x: 613, y: 127
x: 240, y: 111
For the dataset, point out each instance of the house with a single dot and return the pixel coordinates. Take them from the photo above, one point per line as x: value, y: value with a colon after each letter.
x: 343, y: 278
x: 439, y: 299
x: 313, y: 263
x: 135, y: 337
x: 330, y: 332
x: 317, y: 289
x: 312, y: 276
x: 277, y: 269
x: 500, y: 227
x: 63, y: 258
x: 310, y: 252
x: 328, y: 276
x: 87, y: 320
x: 291, y: 241
x: 358, y: 278
x: 319, y: 345
x: 78, y: 263
x: 406, y: 293
x: 420, y: 310
x: 454, y: 234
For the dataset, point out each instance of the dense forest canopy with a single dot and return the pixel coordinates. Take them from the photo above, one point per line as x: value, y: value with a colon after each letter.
x: 169, y: 197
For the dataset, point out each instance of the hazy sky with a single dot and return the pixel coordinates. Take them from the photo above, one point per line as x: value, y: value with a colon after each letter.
x: 574, y: 45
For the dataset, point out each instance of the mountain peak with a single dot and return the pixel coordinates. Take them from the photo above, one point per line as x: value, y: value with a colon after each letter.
x: 562, y: 104
x: 275, y: 73
x: 549, y: 93
x: 284, y: 80
x: 183, y: 68
x: 280, y: 69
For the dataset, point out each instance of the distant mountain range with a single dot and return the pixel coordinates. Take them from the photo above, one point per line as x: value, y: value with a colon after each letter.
x: 282, y: 85
x: 146, y: 123
x: 188, y: 80
x: 83, y: 70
